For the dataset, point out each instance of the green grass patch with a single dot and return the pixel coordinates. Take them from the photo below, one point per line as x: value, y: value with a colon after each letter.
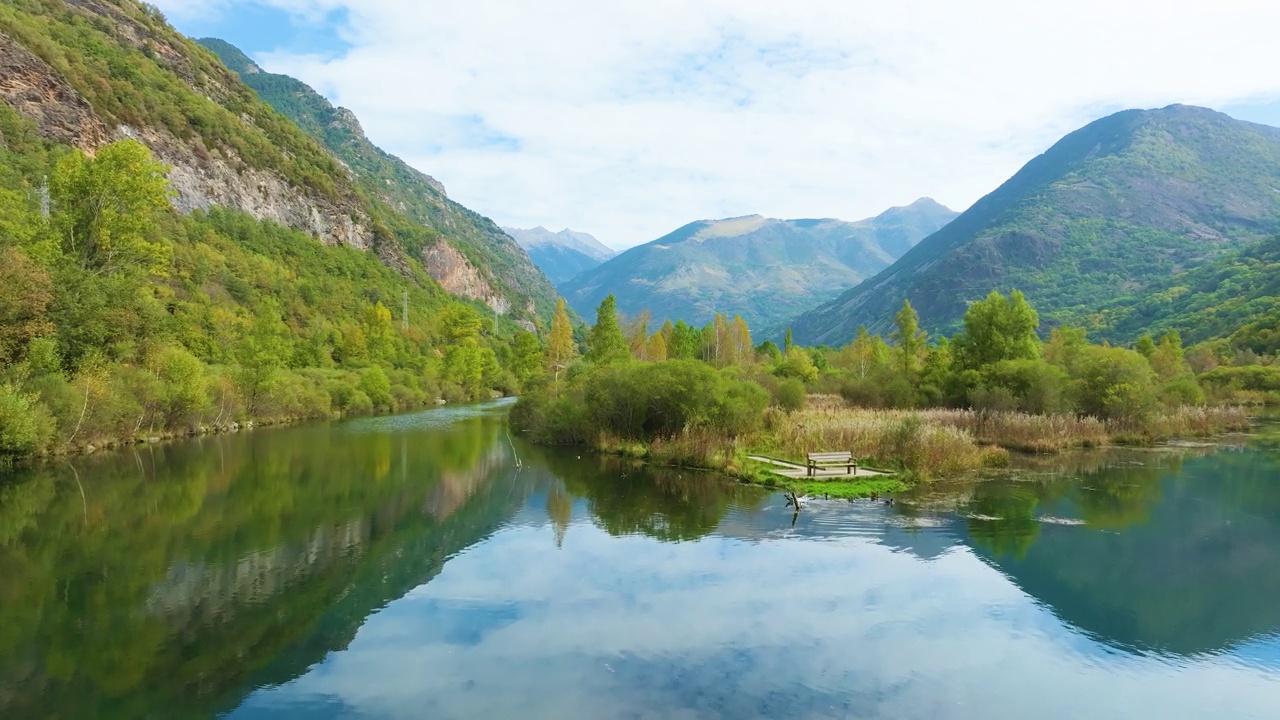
x: 847, y: 489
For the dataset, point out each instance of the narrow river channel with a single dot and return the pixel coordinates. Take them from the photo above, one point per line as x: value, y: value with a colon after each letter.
x: 431, y: 565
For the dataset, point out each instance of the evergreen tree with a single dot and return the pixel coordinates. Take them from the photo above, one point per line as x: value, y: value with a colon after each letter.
x: 684, y: 342
x: 607, y: 343
x: 786, y: 342
x: 910, y: 338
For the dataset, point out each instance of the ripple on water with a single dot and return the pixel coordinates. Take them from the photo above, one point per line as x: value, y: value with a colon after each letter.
x: 428, y: 419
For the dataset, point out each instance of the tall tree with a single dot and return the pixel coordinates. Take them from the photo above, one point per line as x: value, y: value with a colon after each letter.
x: 910, y: 338
x: 638, y: 336
x: 656, y: 349
x: 26, y: 291
x: 561, y: 350
x: 526, y: 355
x: 999, y: 328
x: 864, y: 354
x: 684, y: 342
x: 107, y: 207
x: 607, y: 343
x: 740, y: 341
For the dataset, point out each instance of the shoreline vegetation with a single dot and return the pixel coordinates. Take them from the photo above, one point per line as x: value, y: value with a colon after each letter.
x: 921, y: 409
x: 913, y: 446
x: 129, y: 323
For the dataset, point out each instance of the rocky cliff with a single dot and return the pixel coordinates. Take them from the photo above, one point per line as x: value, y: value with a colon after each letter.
x: 119, y: 70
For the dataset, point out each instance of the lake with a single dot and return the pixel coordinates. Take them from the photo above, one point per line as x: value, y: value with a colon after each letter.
x: 431, y: 565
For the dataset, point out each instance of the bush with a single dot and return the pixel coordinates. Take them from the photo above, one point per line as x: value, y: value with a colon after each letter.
x: 791, y: 395
x: 1114, y: 383
x: 375, y: 384
x: 1035, y: 386
x: 633, y: 401
x: 24, y: 427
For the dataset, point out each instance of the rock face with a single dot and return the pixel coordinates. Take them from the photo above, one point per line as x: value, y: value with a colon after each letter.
x: 200, y: 178
x: 459, y: 276
x: 201, y: 183
x: 484, y: 262
x: 31, y: 87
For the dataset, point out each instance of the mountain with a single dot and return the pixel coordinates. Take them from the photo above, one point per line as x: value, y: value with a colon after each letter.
x: 763, y: 269
x: 561, y: 255
x: 1235, y: 296
x: 184, y: 257
x: 472, y: 259
x: 1111, y: 210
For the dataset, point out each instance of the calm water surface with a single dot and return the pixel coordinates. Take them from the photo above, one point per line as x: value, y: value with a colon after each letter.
x: 428, y: 565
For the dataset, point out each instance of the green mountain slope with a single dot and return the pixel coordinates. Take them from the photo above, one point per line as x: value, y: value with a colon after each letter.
x: 248, y: 276
x: 1235, y: 296
x: 500, y: 262
x: 763, y: 269
x: 1111, y: 210
x: 561, y: 255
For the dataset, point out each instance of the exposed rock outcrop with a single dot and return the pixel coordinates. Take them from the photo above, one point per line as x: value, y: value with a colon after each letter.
x: 457, y: 275
x: 202, y: 182
x: 200, y: 178
x: 30, y: 86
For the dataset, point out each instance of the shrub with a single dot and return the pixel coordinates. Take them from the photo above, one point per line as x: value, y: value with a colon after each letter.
x: 631, y: 401
x: 375, y: 384
x: 24, y: 427
x: 791, y: 395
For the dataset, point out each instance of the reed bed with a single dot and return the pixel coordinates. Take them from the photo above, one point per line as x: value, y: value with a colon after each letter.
x: 895, y: 438
x: 1023, y: 431
x: 1184, y: 421
x: 926, y: 444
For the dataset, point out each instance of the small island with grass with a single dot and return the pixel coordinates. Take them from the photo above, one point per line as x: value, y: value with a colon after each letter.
x: 908, y: 410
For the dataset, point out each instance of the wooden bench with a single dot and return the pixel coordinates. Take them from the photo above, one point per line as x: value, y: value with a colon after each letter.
x: 819, y: 461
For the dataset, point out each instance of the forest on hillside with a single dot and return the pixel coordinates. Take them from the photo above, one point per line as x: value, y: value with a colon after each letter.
x: 121, y: 320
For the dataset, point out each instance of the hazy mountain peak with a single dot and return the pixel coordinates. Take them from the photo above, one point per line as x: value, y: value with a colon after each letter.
x: 759, y: 267
x: 561, y: 255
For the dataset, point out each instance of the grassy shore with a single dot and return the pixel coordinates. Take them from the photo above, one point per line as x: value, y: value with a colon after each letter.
x: 915, y: 445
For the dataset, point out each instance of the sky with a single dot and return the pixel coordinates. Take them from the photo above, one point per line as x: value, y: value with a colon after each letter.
x: 628, y: 119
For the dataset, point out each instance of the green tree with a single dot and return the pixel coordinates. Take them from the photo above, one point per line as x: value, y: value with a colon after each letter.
x: 379, y: 332
x: 998, y: 328
x: 607, y: 343
x: 26, y: 292
x: 526, y: 355
x: 107, y: 207
x: 797, y: 364
x: 911, y: 340
x: 561, y: 350
x: 684, y: 342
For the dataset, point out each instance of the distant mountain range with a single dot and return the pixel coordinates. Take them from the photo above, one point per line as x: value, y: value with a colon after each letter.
x: 1113, y: 210
x: 764, y: 269
x: 561, y: 255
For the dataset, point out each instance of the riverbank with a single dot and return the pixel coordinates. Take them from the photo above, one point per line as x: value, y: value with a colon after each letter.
x: 99, y: 444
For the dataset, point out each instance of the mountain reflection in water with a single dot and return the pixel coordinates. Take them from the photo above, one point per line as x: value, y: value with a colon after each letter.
x: 409, y: 566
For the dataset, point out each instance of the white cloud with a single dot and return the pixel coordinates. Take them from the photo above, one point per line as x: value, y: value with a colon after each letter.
x: 628, y: 119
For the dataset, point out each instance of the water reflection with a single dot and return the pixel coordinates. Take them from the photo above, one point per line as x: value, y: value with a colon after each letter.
x: 411, y: 566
